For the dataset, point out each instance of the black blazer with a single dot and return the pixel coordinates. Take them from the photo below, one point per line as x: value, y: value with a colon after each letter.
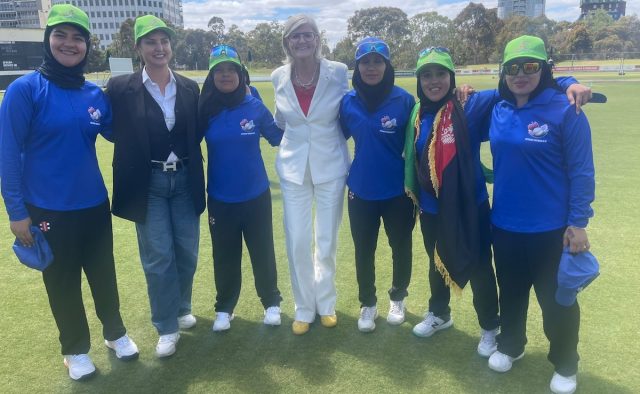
x: 132, y: 155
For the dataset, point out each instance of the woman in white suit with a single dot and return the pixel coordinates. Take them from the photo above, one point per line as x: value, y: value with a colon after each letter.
x: 312, y: 164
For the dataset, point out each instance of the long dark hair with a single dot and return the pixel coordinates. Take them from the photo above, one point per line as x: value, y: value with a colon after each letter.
x: 546, y: 81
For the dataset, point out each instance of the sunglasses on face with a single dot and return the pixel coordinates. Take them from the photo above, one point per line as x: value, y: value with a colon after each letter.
x: 527, y: 68
x: 372, y: 47
x: 224, y: 51
x: 427, y: 51
x: 304, y: 36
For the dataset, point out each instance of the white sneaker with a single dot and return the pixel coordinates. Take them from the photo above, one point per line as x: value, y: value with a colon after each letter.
x: 367, y: 320
x: 167, y: 344
x: 187, y: 321
x: 223, y: 321
x: 271, y: 316
x: 563, y: 384
x: 80, y: 366
x: 396, y: 313
x: 487, y: 344
x: 124, y: 347
x: 431, y: 324
x: 501, y: 362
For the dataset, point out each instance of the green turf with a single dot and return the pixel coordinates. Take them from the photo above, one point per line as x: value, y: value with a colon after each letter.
x: 254, y: 358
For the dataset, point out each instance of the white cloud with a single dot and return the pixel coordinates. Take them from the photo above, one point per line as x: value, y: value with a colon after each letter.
x: 332, y: 15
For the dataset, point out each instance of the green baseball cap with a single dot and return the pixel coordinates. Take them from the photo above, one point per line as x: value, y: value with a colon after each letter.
x: 223, y: 53
x: 149, y: 23
x: 435, y: 55
x: 66, y: 13
x: 525, y: 46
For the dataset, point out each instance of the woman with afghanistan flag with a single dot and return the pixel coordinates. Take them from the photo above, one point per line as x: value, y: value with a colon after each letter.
x: 444, y: 174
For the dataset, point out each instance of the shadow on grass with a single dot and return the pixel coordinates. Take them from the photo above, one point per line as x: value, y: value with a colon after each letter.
x: 252, y: 357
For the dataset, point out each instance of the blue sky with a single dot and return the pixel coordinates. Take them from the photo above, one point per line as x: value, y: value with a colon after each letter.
x: 332, y: 15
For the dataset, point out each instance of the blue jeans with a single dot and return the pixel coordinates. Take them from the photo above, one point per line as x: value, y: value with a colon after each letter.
x: 168, y: 243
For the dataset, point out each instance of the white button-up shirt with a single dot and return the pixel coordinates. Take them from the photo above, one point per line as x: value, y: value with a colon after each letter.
x: 167, y: 102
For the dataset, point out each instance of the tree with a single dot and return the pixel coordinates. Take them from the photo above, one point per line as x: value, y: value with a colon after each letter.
x: 265, y: 43
x: 476, y: 29
x: 597, y: 21
x: 579, y: 39
x: 344, y: 52
x: 96, y: 59
x: 388, y: 23
x: 430, y: 29
x: 216, y: 25
x: 124, y: 43
x: 192, y: 48
x: 236, y: 38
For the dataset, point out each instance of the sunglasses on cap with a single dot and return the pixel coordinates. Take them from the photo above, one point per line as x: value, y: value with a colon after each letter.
x: 427, y: 51
x: 304, y: 36
x: 224, y: 51
x: 366, y: 48
x: 527, y: 68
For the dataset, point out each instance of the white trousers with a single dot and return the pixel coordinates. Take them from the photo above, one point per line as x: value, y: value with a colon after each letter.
x: 312, y: 276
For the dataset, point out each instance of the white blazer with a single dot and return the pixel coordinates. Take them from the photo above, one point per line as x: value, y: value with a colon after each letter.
x: 316, y: 138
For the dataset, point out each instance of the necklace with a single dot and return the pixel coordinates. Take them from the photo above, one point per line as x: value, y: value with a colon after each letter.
x: 306, y: 85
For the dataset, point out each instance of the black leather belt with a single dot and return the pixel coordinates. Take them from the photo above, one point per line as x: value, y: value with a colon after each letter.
x: 173, y: 166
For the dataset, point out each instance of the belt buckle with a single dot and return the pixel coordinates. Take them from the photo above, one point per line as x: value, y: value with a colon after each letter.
x: 173, y: 166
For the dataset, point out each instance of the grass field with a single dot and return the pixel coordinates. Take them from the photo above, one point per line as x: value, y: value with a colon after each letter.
x: 254, y: 358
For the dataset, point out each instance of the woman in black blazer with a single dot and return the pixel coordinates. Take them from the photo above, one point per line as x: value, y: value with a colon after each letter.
x: 158, y: 179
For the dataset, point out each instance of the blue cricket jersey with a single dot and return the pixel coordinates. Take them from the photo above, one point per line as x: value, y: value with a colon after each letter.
x: 377, y: 170
x: 543, y: 165
x: 47, y: 144
x: 235, y: 171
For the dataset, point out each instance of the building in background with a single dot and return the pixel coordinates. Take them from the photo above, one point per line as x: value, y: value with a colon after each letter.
x: 24, y: 14
x: 106, y: 16
x: 528, y: 8
x: 615, y: 8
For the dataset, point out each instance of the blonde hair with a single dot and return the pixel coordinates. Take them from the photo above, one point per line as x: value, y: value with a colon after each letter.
x: 294, y: 22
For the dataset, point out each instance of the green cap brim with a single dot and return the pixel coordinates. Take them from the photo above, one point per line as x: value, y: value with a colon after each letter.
x: 221, y: 59
x: 525, y: 47
x: 68, y: 14
x: 438, y: 58
x: 148, y: 24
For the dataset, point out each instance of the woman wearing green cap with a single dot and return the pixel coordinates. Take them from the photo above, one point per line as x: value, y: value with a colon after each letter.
x: 158, y: 179
x: 375, y: 113
x: 239, y: 200
x: 49, y: 122
x: 544, y: 186
x: 444, y: 173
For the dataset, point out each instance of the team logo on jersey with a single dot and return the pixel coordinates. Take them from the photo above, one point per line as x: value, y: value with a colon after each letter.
x: 537, y: 131
x: 44, y: 226
x: 95, y: 115
x: 212, y: 221
x: 247, y: 125
x: 351, y: 195
x: 388, y: 125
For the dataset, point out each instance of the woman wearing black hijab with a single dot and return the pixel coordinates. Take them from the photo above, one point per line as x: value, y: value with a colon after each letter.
x: 51, y: 182
x: 375, y: 113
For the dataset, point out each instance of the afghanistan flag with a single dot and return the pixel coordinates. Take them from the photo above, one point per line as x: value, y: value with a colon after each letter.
x: 445, y: 169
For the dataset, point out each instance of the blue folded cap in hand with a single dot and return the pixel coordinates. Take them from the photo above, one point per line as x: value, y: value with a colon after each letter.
x: 576, y: 271
x: 39, y: 256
